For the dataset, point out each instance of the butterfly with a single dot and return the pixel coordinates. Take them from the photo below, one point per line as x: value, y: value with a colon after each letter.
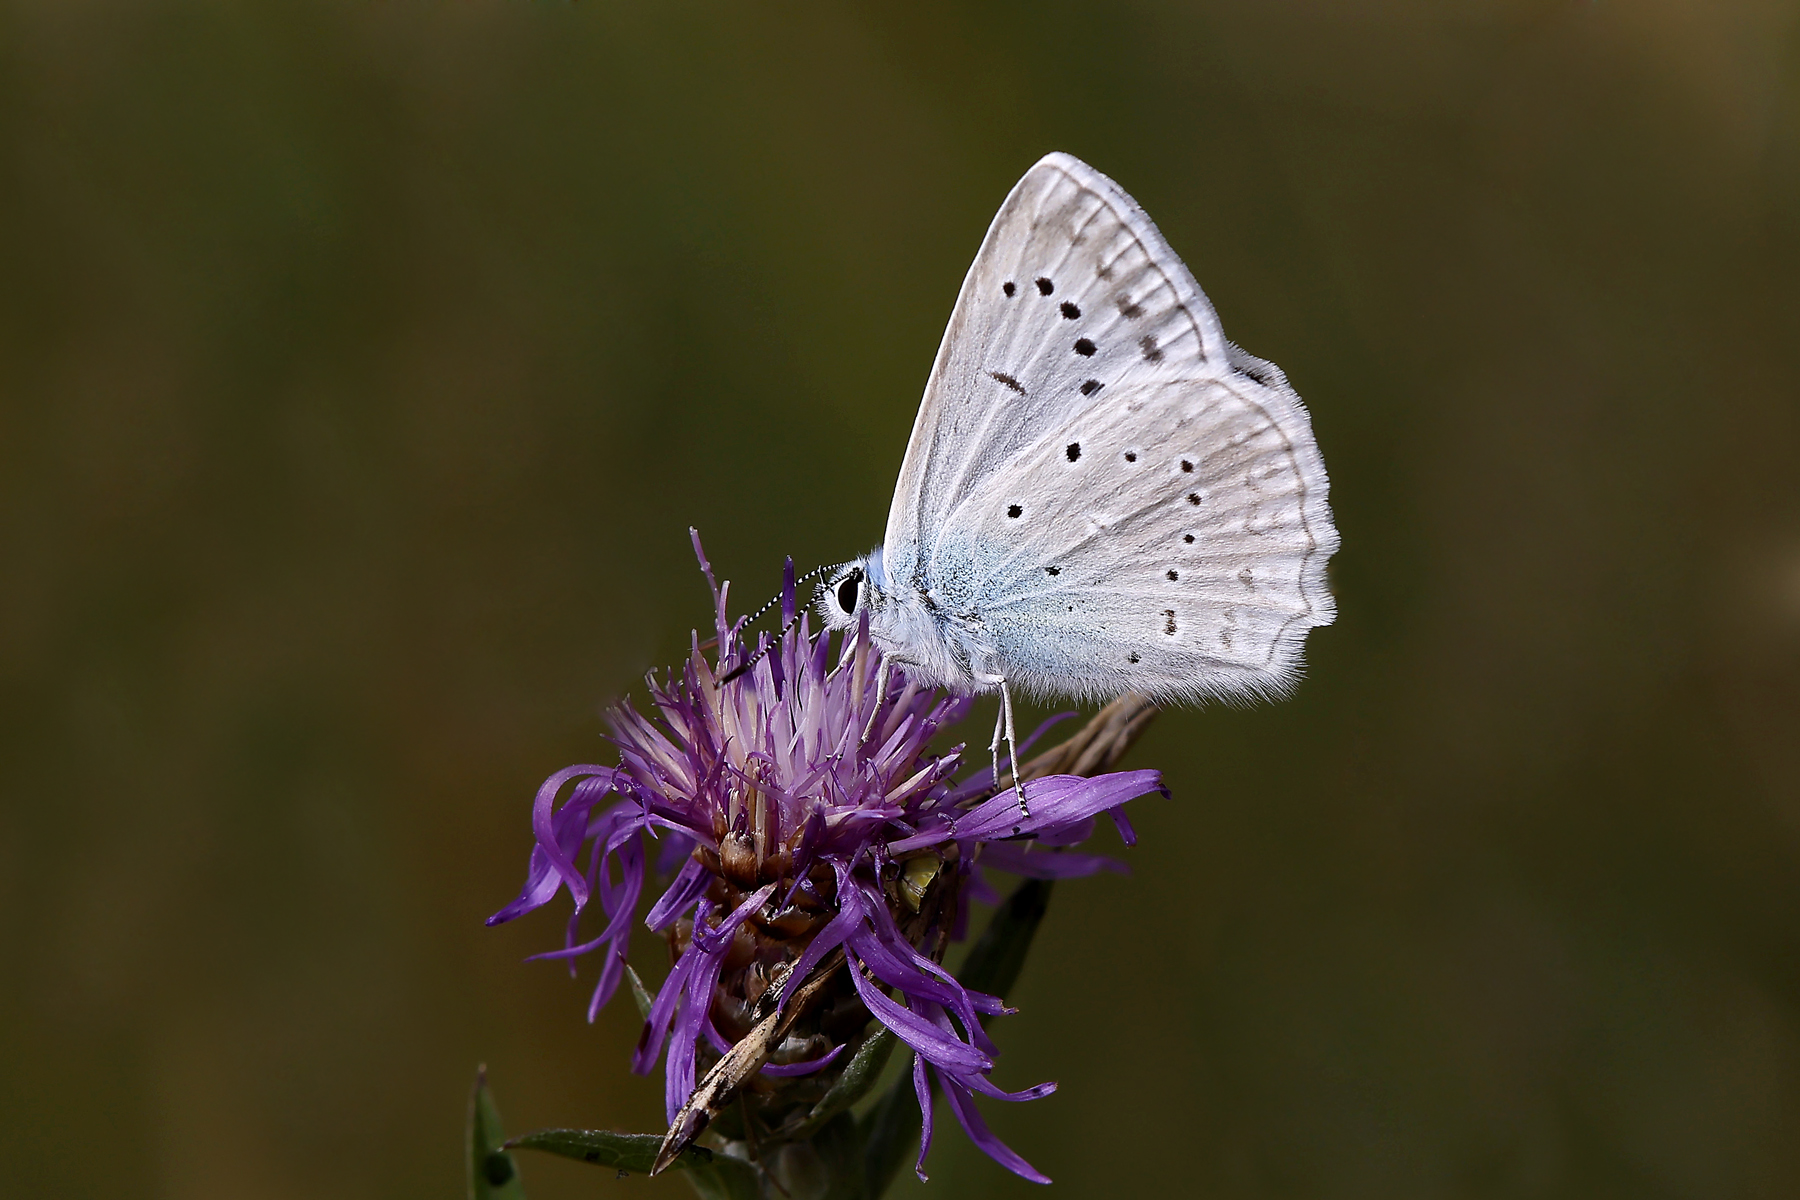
x: 1101, y: 494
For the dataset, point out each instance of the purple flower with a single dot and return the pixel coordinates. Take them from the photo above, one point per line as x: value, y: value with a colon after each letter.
x: 799, y: 818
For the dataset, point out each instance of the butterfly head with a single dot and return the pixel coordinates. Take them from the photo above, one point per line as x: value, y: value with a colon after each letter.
x: 850, y: 590
x: 903, y: 623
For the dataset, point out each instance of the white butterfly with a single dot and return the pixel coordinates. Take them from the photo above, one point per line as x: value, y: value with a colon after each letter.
x: 1101, y: 494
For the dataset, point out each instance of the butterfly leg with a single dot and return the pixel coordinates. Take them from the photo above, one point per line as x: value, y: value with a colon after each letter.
x: 881, y: 686
x: 1003, y: 731
x: 999, y: 733
x: 1012, y: 747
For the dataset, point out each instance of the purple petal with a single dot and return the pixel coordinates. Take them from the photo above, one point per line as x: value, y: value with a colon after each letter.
x: 743, y: 912
x: 688, y: 886
x: 941, y: 1018
x: 892, y: 970
x: 785, y: 1070
x: 985, y: 1086
x: 917, y: 1031
x: 619, y: 900
x: 662, y: 1010
x: 899, y: 963
x: 700, y: 553
x: 850, y: 915
x: 541, y: 883
x: 542, y: 823
x: 621, y: 906
x: 556, y: 849
x: 963, y: 1105
x: 719, y: 595
x: 922, y: 1089
x: 696, y: 1009
x: 1122, y: 823
x: 611, y: 971
x: 1051, y: 803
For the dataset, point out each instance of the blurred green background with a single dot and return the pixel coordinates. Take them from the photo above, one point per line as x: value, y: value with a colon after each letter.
x: 364, y: 365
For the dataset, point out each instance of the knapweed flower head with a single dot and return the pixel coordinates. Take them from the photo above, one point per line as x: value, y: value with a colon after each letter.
x: 802, y: 816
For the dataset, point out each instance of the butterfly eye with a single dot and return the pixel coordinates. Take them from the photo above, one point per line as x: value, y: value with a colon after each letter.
x: 848, y: 591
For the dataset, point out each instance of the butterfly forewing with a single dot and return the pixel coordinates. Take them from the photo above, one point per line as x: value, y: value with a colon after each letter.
x: 1072, y: 293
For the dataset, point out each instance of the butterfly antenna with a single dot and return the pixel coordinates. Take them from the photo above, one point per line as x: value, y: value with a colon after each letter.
x: 754, y: 617
x: 758, y: 656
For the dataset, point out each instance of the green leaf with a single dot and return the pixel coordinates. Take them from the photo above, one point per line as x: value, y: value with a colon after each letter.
x: 891, y: 1129
x: 715, y: 1176
x: 859, y: 1076
x: 493, y: 1175
x: 725, y: 1178
x: 603, y: 1148
x: 840, y: 1146
x: 638, y: 993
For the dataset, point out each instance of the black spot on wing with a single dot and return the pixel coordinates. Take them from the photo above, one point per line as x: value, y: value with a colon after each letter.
x: 1069, y: 311
x: 1008, y: 287
x: 1152, y: 353
x: 1188, y: 538
x: 1169, y: 621
x: 1174, y: 576
x: 1053, y: 570
x: 1084, y: 347
x: 1073, y: 451
x: 1044, y: 286
x: 1186, y: 465
x: 1193, y: 498
x: 1013, y: 510
x: 1131, y: 456
x: 1008, y: 380
x: 1091, y: 386
x: 1132, y: 657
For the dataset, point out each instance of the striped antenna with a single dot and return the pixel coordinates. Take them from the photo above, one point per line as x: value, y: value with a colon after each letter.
x: 758, y: 656
x: 757, y: 615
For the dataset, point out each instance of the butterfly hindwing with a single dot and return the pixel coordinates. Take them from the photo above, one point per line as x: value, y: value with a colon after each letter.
x: 1172, y: 543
